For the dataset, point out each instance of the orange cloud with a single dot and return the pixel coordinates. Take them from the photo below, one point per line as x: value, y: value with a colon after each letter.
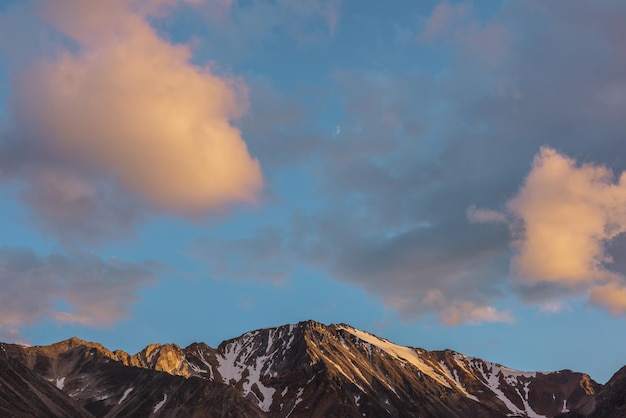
x: 568, y: 213
x: 131, y: 105
x: 472, y: 313
x: 456, y: 312
x: 611, y: 296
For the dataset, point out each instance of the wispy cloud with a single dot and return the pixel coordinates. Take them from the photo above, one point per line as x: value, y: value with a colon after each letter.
x: 263, y: 256
x: 94, y: 291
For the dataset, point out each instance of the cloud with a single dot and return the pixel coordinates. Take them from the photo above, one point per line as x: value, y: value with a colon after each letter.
x: 119, y: 107
x: 611, y: 297
x: 444, y: 18
x: 567, y: 214
x: 399, y: 200
x: 270, y: 125
x: 478, y: 215
x: 422, y: 270
x: 475, y: 42
x: 421, y: 154
x: 568, y: 220
x: 94, y: 291
x: 78, y: 209
x: 246, y: 30
x: 468, y: 312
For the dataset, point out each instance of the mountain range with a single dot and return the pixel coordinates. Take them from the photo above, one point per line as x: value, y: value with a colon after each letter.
x: 300, y: 370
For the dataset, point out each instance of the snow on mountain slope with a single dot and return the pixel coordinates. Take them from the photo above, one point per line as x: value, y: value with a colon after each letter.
x: 399, y: 352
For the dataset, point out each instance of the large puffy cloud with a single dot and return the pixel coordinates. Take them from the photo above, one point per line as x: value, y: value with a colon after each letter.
x: 116, y: 109
x: 79, y: 288
x: 568, y: 213
x: 563, y: 219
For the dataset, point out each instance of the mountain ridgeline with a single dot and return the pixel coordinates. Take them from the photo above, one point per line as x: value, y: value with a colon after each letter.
x: 302, y: 370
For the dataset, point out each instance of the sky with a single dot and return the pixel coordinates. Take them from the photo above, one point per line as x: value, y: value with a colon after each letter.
x: 443, y: 174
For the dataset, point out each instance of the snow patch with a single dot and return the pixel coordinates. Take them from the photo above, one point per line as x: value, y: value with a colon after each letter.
x: 564, y: 406
x: 493, y: 382
x: 270, y: 340
x: 240, y: 357
x: 452, y: 374
x: 160, y: 404
x: 511, y: 377
x: 60, y: 383
x: 208, y: 370
x: 298, y: 400
x: 529, y: 410
x: 406, y: 354
x: 197, y: 369
x: 126, y: 393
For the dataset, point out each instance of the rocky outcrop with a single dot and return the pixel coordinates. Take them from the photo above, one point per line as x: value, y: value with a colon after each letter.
x: 23, y: 393
x: 168, y: 358
x: 610, y: 401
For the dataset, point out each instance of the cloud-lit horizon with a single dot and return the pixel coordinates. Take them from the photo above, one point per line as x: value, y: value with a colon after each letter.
x: 442, y: 173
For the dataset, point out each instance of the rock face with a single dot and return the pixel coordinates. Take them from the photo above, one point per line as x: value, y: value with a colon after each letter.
x: 610, y: 401
x: 24, y: 394
x: 167, y: 358
x: 302, y: 370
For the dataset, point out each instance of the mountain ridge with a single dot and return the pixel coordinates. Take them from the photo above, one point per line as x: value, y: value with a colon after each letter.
x: 303, y: 369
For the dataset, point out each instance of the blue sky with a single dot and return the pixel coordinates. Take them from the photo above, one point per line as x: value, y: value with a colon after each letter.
x: 441, y: 174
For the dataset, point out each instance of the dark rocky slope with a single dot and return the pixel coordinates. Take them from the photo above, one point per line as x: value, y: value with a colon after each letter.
x: 24, y: 393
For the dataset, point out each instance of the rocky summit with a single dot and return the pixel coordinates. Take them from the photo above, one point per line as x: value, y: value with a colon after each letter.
x: 300, y: 370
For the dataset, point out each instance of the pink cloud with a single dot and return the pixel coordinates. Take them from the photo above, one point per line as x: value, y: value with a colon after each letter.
x: 131, y: 104
x: 567, y: 213
x: 562, y: 220
x: 611, y: 296
x: 94, y: 291
x: 458, y: 311
x: 125, y: 113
